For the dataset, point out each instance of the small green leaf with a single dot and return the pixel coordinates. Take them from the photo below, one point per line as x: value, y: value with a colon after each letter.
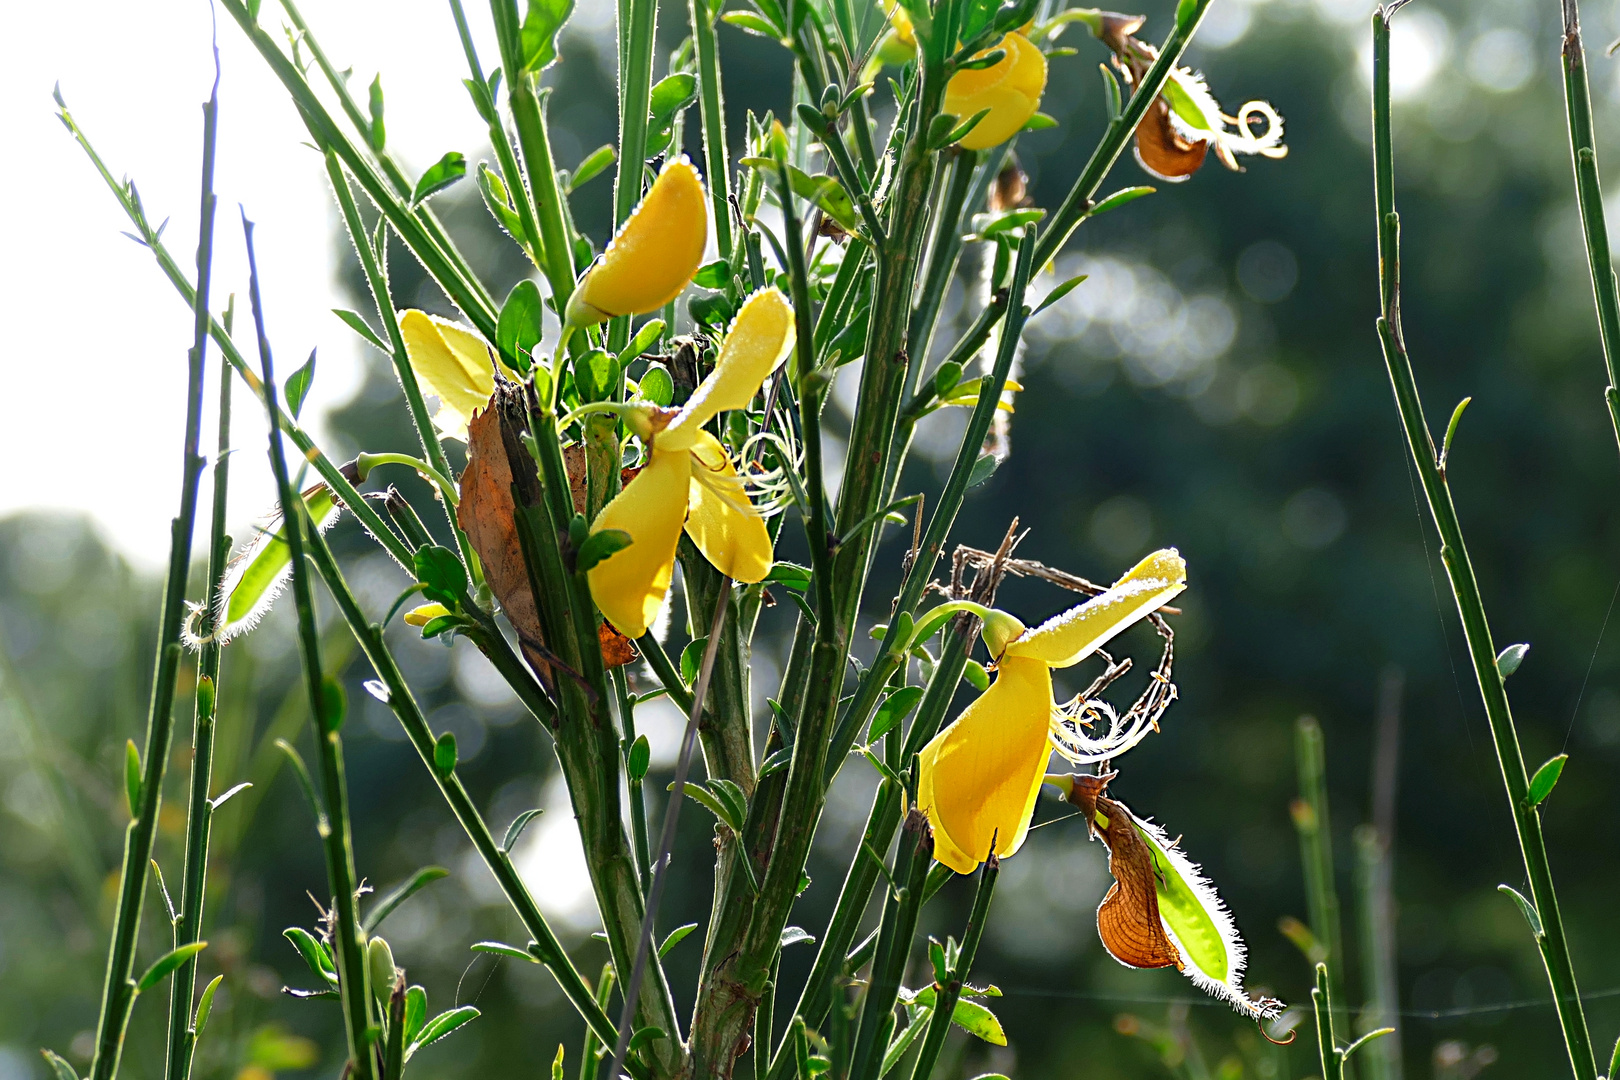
x: 1546, y: 779
x: 715, y: 275
x: 596, y: 376
x: 301, y: 772
x: 443, y: 577
x: 314, y: 952
x: 753, y: 24
x: 444, y: 624
x: 970, y: 1016
x: 60, y: 1069
x: 1121, y: 197
x: 518, y: 330
x: 298, y: 384
x: 515, y: 830
x: 444, y: 754
x: 205, y: 1005
x: 493, y: 189
x: 594, y: 164
x: 498, y: 948
x: 976, y: 675
x: 1509, y: 659
x: 415, y: 1012
x: 1527, y: 909
x: 380, y: 965
x: 132, y: 778
x: 440, y: 175
x: 645, y: 338
x: 166, y: 963
x: 601, y: 545
x: 793, y: 935
x: 354, y: 322
x: 936, y: 957
x: 646, y: 1036
x: 789, y: 576
x: 439, y: 1027
x: 713, y: 310
x: 946, y: 378
x: 1040, y: 122
x: 895, y: 708
x: 1057, y: 294
x: 656, y: 385
x: 676, y: 936
x: 671, y: 96
x: 1451, y: 431
x: 541, y: 24
x: 1365, y: 1039
x: 986, y: 59
x: 692, y: 658
x: 378, y: 135
x: 401, y: 893
x: 983, y: 469
x: 713, y: 803
x: 640, y: 757
x: 557, y: 1064
x: 776, y: 762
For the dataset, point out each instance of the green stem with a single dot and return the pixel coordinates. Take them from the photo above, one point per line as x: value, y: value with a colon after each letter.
x: 712, y: 109
x: 188, y: 921
x: 1589, y: 191
x: 329, y: 472
x: 944, y: 254
x: 402, y: 702
x: 1553, y: 944
x: 638, y: 794
x: 505, y: 153
x: 333, y: 824
x: 895, y: 933
x: 1076, y: 206
x: 530, y: 119
x: 1327, y: 1043
x: 118, y: 990
x: 447, y: 489
x: 884, y: 818
x: 637, y: 36
x: 444, y: 267
x: 1316, y: 850
x: 946, y: 997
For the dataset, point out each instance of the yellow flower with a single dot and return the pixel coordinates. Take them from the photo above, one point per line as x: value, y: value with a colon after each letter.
x: 1011, y: 89
x: 689, y: 481
x: 453, y: 364
x: 421, y: 616
x: 980, y: 776
x: 654, y: 255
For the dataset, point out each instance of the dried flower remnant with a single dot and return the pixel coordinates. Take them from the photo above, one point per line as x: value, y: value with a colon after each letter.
x: 1010, y: 89
x: 1185, y: 122
x: 654, y: 255
x: 980, y: 776
x: 689, y: 481
x: 1161, y: 911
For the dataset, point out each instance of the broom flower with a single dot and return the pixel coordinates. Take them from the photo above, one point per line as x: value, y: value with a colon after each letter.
x: 689, y: 481
x: 654, y: 255
x: 1010, y: 89
x: 980, y: 776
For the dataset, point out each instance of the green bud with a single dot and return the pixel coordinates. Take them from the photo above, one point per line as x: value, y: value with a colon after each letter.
x: 380, y: 959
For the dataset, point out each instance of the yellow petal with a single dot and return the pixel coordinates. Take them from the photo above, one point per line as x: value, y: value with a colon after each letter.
x: 453, y: 364
x: 980, y: 776
x: 760, y: 338
x: 721, y: 520
x: 654, y: 255
x: 421, y: 616
x: 1011, y: 89
x: 1074, y: 635
x: 630, y: 585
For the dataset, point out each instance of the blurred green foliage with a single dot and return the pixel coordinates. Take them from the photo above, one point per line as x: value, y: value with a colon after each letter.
x: 1215, y: 385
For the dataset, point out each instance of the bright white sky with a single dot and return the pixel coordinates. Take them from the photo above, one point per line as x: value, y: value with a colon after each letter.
x: 93, y: 373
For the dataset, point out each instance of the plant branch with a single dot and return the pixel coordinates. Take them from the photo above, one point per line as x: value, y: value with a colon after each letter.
x: 1464, y: 586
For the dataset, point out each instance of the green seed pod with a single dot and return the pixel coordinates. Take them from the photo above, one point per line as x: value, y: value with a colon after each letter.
x: 380, y: 960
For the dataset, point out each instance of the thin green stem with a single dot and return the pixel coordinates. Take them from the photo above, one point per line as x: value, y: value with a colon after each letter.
x: 637, y: 37
x: 895, y: 933
x: 1316, y: 849
x: 330, y: 473
x: 712, y: 110
x: 547, y: 947
x: 530, y: 119
x: 118, y: 990
x: 638, y: 794
x: 1551, y: 941
x: 444, y: 267
x: 1076, y: 206
x: 188, y: 921
x: 1589, y: 192
x: 333, y: 824
x: 946, y: 997
x: 1327, y: 1043
x: 447, y: 489
x: 430, y: 223
x: 944, y: 253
